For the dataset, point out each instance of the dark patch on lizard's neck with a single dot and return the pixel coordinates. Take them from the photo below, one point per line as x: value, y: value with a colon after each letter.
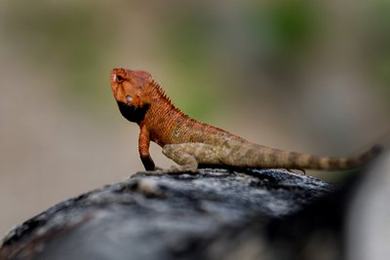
x: 132, y: 113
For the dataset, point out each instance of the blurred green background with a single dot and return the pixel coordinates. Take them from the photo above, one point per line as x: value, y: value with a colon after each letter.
x: 310, y: 76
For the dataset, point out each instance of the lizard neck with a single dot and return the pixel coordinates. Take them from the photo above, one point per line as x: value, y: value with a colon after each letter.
x: 169, y: 125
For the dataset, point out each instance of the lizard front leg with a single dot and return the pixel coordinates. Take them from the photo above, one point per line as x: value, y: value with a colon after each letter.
x: 189, y: 155
x: 143, y: 149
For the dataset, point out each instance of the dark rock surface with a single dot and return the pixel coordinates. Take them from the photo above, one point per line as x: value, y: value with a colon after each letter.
x: 216, y: 214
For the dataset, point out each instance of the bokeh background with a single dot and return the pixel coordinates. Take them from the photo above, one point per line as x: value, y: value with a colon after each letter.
x: 310, y: 76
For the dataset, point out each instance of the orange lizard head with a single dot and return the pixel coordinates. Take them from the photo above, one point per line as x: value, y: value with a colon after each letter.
x: 128, y: 86
x: 129, y: 90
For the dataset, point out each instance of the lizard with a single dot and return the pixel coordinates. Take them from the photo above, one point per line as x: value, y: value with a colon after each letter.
x: 192, y: 144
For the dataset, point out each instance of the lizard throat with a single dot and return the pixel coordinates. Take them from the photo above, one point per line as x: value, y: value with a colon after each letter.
x: 132, y: 113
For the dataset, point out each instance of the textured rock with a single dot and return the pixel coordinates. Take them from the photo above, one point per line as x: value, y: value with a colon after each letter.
x: 215, y: 214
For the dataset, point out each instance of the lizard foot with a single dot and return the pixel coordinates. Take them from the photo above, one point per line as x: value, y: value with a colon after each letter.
x: 156, y: 171
x: 185, y: 169
x: 173, y: 170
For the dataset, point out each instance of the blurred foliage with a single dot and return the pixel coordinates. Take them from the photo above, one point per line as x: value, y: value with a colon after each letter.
x: 283, y: 30
x: 187, y: 40
x: 63, y: 37
x: 379, y: 31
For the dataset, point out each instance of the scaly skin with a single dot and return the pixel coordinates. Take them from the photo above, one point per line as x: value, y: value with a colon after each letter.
x: 191, y: 143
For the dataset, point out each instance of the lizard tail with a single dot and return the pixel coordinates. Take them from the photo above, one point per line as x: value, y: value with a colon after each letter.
x: 313, y: 162
x: 264, y: 157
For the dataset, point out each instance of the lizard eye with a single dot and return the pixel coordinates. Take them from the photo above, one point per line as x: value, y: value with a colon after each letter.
x: 119, y: 79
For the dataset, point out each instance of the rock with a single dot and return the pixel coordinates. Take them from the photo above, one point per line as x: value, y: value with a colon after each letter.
x: 368, y: 225
x: 216, y: 214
